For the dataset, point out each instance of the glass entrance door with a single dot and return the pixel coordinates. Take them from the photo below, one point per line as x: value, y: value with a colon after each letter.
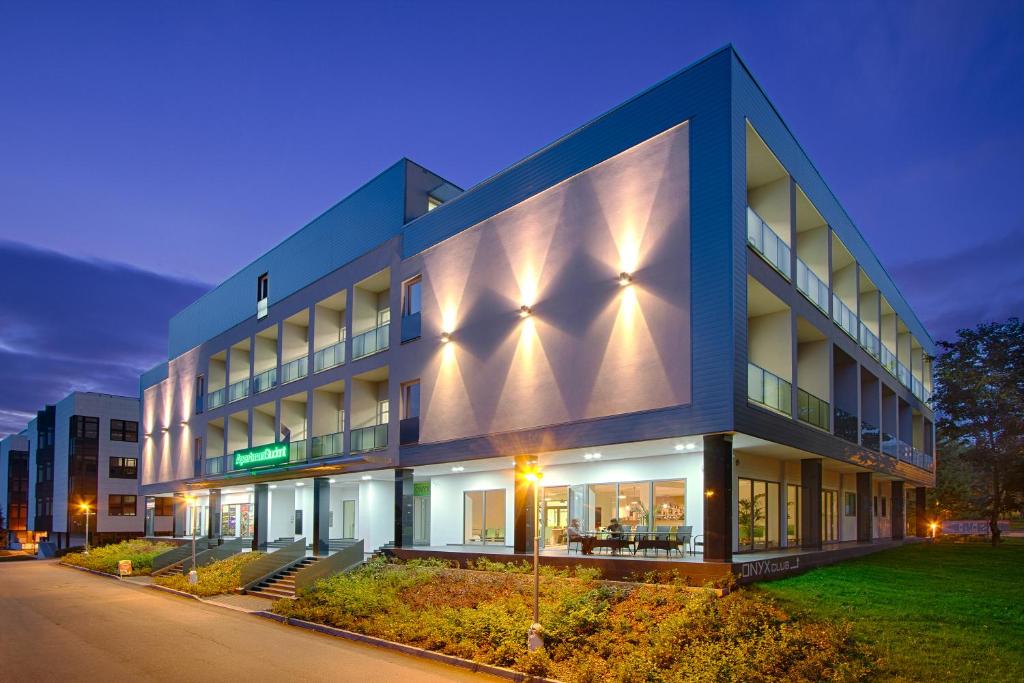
x: 421, y: 520
x: 348, y: 519
x: 829, y: 516
x: 757, y: 514
x: 555, y: 516
x: 484, y: 517
x: 794, y: 515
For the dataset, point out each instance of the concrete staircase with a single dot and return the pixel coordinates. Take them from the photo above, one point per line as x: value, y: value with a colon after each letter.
x: 174, y: 568
x: 282, y: 584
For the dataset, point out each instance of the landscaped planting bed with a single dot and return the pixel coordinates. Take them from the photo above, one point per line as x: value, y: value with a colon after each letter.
x: 222, y: 576
x: 594, y: 630
x: 105, y: 558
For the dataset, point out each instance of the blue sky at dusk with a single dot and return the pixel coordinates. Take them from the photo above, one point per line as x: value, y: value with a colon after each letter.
x: 149, y: 150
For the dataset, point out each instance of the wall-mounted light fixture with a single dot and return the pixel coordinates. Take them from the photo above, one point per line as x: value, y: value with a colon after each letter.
x: 366, y: 477
x: 300, y: 483
x: 272, y: 486
x: 445, y: 337
x: 525, y: 311
x: 184, y: 423
x: 458, y: 468
x: 330, y: 481
x: 625, y: 278
x: 163, y: 430
x: 709, y: 493
x: 591, y: 456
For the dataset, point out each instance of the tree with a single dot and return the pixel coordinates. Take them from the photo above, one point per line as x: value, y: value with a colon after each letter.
x: 980, y: 401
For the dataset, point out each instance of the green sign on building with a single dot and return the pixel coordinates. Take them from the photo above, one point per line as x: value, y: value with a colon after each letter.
x: 421, y: 488
x: 267, y: 455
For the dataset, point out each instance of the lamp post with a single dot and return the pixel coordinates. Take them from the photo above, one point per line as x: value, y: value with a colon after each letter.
x: 85, y: 508
x: 193, y: 577
x: 534, y: 476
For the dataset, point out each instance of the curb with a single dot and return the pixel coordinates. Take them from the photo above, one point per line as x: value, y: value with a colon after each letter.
x: 91, y: 571
x: 451, y: 660
x: 182, y: 594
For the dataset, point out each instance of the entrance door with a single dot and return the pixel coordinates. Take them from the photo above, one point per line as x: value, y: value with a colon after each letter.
x: 794, y: 515
x: 829, y: 516
x: 298, y: 522
x: 484, y: 517
x: 757, y: 514
x: 348, y: 519
x: 555, y: 516
x: 421, y: 520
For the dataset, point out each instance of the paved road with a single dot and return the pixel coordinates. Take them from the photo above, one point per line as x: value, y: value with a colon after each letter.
x: 61, y: 624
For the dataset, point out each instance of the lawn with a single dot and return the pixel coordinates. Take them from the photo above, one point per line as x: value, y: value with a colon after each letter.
x: 105, y: 558
x: 222, y: 576
x: 943, y: 612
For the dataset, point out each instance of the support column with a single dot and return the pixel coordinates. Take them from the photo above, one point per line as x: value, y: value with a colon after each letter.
x: 810, y: 491
x: 865, y: 511
x: 150, y: 517
x: 920, y: 512
x: 178, y: 520
x: 261, y: 516
x: 525, y: 514
x: 898, y: 512
x: 321, y: 516
x: 718, y: 505
x: 403, y: 507
x: 213, y: 518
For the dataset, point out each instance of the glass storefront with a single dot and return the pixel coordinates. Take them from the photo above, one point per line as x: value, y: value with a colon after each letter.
x: 660, y: 503
x: 484, y: 517
x: 555, y: 515
x: 236, y: 520
x: 757, y: 514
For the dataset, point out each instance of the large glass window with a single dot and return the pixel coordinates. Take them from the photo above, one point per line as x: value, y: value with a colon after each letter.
x: 794, y: 515
x: 670, y: 503
x: 829, y: 516
x: 484, y: 516
x: 555, y: 515
x: 634, y: 504
x: 602, y: 499
x: 757, y: 514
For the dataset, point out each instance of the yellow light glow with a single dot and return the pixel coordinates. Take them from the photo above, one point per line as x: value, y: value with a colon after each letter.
x: 445, y: 337
x: 84, y: 507
x: 625, y: 279
x: 709, y: 493
x: 525, y: 311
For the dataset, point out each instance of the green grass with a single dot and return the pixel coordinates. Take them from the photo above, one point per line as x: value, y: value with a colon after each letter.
x: 942, y: 612
x: 105, y: 558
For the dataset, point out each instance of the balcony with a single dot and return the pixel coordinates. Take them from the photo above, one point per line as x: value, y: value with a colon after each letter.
x: 921, y: 459
x: 844, y: 316
x: 294, y: 369
x: 264, y: 381
x: 297, y: 452
x: 888, y: 360
x: 371, y: 341
x: 238, y: 391
x: 329, y: 444
x: 765, y: 242
x: 908, y: 454
x: 811, y: 286
x: 917, y: 387
x: 215, y: 466
x: 903, y: 374
x: 769, y: 389
x: 890, y: 445
x: 845, y: 425
x: 369, y: 438
x: 329, y: 356
x: 869, y: 341
x: 812, y: 410
x: 215, y: 399
x: 869, y: 436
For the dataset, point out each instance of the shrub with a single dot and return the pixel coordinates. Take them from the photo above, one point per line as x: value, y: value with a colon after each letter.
x: 222, y: 576
x: 105, y: 558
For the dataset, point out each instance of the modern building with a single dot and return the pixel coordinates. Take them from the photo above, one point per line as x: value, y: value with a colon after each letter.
x: 83, y: 450
x: 666, y: 311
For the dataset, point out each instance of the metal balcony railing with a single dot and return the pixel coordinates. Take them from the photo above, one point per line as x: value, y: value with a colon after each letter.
x: 869, y: 436
x: 238, y: 390
x: 265, y: 380
x: 369, y: 438
x: 888, y: 360
x: 869, y: 341
x: 844, y: 424
x: 844, y: 316
x: 769, y: 389
x: 811, y: 409
x: 215, y: 399
x: 294, y: 369
x: 329, y: 356
x: 903, y: 374
x: 297, y: 452
x: 327, y: 445
x: 768, y: 244
x: 371, y: 341
x: 811, y: 286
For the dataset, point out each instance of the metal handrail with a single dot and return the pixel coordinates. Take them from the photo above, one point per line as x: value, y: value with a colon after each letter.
x: 271, y: 563
x: 221, y: 552
x: 182, y: 552
x: 341, y: 561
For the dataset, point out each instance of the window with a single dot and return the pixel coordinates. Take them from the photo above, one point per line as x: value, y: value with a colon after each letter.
x: 121, y: 505
x: 200, y: 393
x: 164, y: 507
x: 123, y: 468
x: 383, y: 412
x: 411, y: 296
x: 874, y: 504
x: 262, y: 287
x: 85, y: 427
x: 410, y: 400
x: 850, y: 504
x: 883, y: 507
x: 124, y: 430
x: 432, y: 203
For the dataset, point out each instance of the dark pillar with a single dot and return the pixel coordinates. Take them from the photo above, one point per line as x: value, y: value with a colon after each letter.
x: 179, y: 506
x: 525, y: 515
x: 321, y: 516
x: 865, y: 511
x: 213, y: 518
x: 810, y: 492
x: 150, y: 517
x: 261, y: 517
x: 718, y: 507
x: 403, y: 508
x: 898, y: 512
x: 920, y: 520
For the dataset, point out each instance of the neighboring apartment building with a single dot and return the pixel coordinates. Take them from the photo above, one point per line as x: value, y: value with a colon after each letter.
x: 83, y: 450
x: 14, y: 491
x: 666, y: 311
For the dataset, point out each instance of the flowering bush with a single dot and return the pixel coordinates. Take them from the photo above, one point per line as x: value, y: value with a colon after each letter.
x: 105, y: 558
x: 593, y: 630
x: 222, y: 576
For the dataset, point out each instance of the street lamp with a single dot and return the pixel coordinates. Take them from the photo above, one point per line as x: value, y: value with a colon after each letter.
x: 84, y: 507
x: 193, y: 577
x: 534, y: 476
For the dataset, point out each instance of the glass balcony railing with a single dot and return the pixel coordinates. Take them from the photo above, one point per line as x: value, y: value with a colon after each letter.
x: 890, y: 445
x: 869, y: 341
x: 328, y: 444
x: 369, y: 438
x: 869, y: 436
x: 238, y: 390
x: 903, y: 374
x: 371, y: 341
x: 888, y: 360
x: 769, y: 389
x: 264, y: 381
x: 294, y: 369
x: 811, y: 409
x: 217, y: 465
x: 329, y: 356
x: 920, y: 459
x: 215, y: 399
x: 811, y: 286
x: 844, y: 316
x: 844, y: 425
x: 768, y: 244
x: 297, y: 452
x: 917, y: 388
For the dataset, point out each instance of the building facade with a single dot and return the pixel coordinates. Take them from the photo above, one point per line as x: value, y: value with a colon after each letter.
x: 83, y: 451
x: 14, y: 491
x: 665, y: 312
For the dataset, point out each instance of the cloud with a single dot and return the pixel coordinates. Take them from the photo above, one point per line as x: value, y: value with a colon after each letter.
x: 982, y: 282
x: 69, y: 324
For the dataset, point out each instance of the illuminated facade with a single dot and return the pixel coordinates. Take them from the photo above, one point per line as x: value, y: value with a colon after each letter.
x: 666, y: 311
